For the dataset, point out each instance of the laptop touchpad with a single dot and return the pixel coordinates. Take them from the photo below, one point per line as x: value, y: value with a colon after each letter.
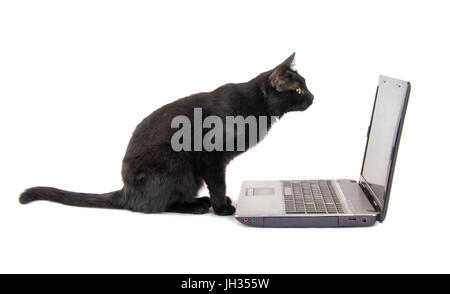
x: 262, y: 191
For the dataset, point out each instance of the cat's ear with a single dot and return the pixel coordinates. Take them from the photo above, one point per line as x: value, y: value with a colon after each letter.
x: 289, y: 62
x: 279, y: 79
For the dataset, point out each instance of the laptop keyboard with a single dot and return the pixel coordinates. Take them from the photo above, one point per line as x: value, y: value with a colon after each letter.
x: 311, y: 197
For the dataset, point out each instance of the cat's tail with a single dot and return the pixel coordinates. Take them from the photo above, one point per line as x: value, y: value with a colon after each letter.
x: 106, y: 200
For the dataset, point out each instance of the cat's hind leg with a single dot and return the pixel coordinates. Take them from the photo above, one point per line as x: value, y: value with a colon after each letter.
x: 195, y: 206
x: 205, y: 199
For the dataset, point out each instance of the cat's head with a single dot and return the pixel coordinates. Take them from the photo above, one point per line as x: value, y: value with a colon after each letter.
x: 287, y: 89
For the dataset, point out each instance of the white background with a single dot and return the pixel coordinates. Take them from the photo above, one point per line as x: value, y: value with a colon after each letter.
x: 76, y: 77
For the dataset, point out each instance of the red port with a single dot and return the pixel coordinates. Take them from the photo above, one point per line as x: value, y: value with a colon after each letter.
x: 245, y: 219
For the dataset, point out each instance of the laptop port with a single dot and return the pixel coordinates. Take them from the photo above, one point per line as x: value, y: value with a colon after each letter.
x: 352, y: 219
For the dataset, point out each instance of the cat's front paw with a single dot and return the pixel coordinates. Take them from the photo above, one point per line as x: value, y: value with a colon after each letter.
x: 228, y: 200
x: 226, y: 209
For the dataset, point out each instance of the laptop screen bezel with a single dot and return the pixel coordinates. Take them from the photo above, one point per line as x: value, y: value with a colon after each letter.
x: 370, y: 193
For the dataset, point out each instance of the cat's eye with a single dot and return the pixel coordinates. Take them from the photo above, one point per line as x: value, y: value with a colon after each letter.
x: 298, y: 90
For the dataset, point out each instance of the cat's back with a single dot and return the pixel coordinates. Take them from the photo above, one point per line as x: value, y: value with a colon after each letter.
x: 156, y: 129
x: 219, y: 101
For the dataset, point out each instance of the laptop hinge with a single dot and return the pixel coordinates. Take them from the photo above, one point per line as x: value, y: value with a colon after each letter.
x: 369, y: 196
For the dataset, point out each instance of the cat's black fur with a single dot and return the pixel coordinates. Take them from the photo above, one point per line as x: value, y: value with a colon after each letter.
x: 156, y: 178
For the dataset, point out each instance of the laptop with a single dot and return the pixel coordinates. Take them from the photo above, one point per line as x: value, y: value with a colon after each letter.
x: 342, y: 202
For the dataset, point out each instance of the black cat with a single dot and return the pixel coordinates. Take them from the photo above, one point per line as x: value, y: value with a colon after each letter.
x: 157, y: 178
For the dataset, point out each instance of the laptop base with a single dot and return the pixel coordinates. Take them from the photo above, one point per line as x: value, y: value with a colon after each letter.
x: 308, y: 221
x: 269, y: 204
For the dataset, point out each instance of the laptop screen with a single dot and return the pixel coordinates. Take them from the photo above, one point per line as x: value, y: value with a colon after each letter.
x: 382, y: 142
